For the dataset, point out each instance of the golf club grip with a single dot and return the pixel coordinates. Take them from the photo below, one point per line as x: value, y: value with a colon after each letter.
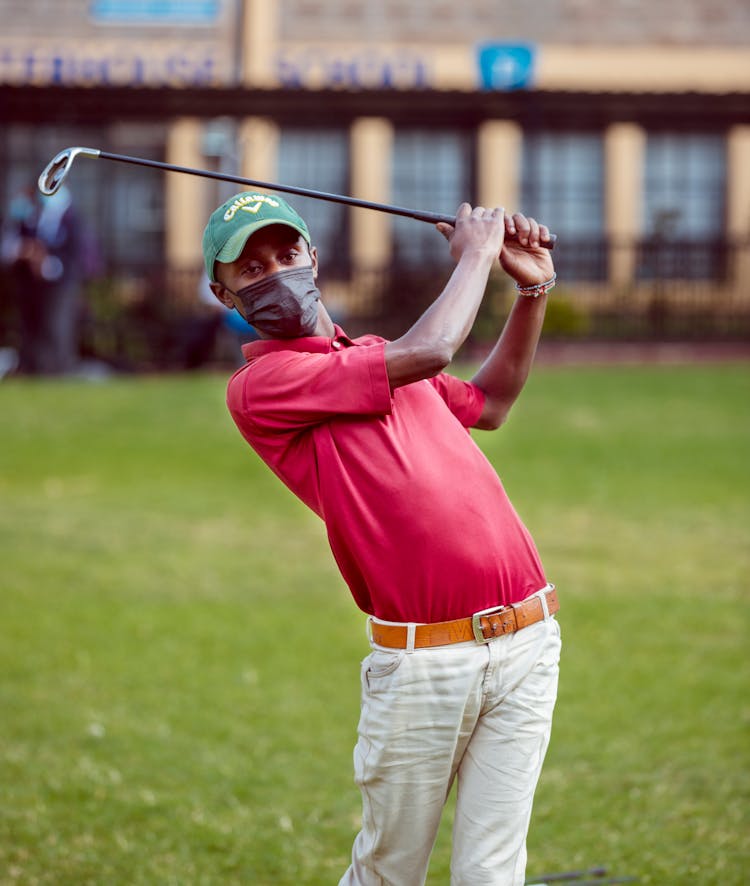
x: 434, y: 218
x: 418, y: 215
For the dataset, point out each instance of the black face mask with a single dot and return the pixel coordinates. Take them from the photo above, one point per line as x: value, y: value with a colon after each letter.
x: 284, y: 305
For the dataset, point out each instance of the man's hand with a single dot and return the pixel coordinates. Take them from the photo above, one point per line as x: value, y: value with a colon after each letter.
x: 514, y: 238
x: 522, y: 258
x: 33, y: 252
x: 477, y: 231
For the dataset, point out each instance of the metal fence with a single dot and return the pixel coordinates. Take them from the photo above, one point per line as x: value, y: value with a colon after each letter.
x: 629, y: 292
x: 626, y: 291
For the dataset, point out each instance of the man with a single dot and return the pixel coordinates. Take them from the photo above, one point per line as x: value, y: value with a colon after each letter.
x: 45, y: 248
x: 372, y: 435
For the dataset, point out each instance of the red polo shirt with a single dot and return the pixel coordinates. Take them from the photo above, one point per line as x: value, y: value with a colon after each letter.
x: 417, y: 518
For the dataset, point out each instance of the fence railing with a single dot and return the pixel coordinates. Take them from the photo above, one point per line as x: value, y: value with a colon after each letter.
x: 644, y: 291
x: 678, y: 291
x: 639, y: 292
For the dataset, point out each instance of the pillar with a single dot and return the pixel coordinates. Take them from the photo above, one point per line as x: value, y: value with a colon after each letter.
x: 624, y: 153
x: 371, y: 145
x: 185, y: 218
x: 259, y: 43
x: 738, y: 201
x: 258, y: 147
x: 499, y: 146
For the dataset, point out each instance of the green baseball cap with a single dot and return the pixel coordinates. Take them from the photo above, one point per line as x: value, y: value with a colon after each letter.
x: 230, y: 226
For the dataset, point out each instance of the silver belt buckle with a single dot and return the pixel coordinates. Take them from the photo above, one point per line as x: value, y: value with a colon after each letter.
x: 476, y: 624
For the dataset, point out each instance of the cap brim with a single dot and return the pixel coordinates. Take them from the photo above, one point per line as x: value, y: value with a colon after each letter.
x: 232, y: 249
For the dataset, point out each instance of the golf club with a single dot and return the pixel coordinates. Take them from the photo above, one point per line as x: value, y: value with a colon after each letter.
x: 57, y: 169
x: 604, y: 881
x: 579, y: 878
x: 563, y: 876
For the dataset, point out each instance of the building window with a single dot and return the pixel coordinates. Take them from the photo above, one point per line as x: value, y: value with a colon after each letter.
x: 563, y: 187
x: 431, y: 170
x: 134, y: 198
x: 123, y: 205
x: 319, y: 159
x: 684, y: 206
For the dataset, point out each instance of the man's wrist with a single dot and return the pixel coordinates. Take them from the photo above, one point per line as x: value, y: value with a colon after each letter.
x: 534, y: 290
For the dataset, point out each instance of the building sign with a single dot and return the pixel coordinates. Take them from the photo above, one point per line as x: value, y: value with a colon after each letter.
x: 505, y: 66
x: 153, y: 63
x: 363, y: 68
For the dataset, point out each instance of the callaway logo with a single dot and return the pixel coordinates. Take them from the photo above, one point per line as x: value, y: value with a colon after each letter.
x: 249, y: 203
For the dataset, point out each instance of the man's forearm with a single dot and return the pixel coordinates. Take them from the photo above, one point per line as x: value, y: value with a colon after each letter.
x: 503, y: 374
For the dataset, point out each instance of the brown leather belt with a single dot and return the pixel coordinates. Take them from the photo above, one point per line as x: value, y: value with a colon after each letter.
x: 481, y: 627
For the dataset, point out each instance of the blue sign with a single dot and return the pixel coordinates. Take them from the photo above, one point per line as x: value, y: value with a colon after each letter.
x: 505, y: 66
x: 184, y: 12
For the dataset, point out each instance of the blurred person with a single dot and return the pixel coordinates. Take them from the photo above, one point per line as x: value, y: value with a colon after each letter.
x: 373, y: 436
x: 218, y: 328
x: 45, y: 247
x: 20, y: 253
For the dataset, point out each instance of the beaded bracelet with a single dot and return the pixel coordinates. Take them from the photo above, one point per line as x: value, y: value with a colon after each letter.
x: 539, y: 289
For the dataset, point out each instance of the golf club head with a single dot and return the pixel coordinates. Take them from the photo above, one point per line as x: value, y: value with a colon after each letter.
x: 55, y: 171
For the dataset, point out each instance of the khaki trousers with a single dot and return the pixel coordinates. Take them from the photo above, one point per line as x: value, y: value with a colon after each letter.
x: 479, y: 714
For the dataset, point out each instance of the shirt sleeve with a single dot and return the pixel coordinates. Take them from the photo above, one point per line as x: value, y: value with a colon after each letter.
x: 288, y: 390
x: 464, y: 399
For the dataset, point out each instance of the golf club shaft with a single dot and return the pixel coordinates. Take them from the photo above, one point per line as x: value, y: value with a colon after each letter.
x: 599, y: 881
x: 606, y: 881
x: 52, y: 177
x: 432, y: 217
x: 562, y: 876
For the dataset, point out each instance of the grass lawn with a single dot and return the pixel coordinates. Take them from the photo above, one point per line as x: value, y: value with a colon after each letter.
x: 179, y: 675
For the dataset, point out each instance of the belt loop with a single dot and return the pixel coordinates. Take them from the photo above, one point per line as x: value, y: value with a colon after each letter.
x: 411, y: 633
x: 545, y: 608
x: 543, y: 598
x: 368, y: 629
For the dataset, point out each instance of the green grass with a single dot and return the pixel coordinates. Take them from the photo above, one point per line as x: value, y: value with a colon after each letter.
x: 179, y: 659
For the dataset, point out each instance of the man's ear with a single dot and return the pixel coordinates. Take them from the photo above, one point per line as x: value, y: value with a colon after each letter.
x: 223, y: 294
x: 314, y: 257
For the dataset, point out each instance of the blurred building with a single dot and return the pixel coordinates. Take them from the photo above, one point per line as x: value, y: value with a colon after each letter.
x: 625, y: 126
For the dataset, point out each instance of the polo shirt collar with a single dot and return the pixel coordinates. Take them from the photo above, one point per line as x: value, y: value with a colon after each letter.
x: 314, y: 344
